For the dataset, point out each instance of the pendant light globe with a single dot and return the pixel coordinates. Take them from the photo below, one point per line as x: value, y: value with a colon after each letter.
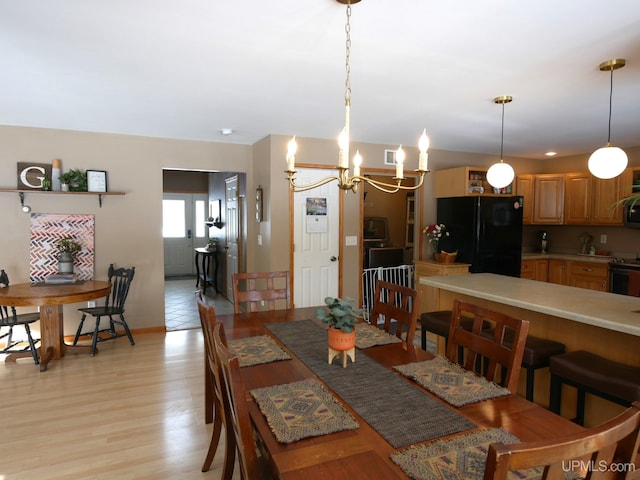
x: 608, y: 162
x: 500, y: 174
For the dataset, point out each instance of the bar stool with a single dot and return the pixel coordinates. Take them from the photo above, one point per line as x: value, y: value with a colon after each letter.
x: 590, y: 373
x: 537, y: 354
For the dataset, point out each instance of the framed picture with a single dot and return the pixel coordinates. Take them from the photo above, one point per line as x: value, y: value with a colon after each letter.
x: 389, y: 157
x: 34, y: 176
x: 96, y: 181
x: 259, y: 194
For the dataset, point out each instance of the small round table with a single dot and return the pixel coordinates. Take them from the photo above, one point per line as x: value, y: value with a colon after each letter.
x: 50, y: 299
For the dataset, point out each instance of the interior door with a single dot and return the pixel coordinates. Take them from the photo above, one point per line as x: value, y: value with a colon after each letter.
x: 233, y: 231
x: 183, y: 229
x: 316, y: 240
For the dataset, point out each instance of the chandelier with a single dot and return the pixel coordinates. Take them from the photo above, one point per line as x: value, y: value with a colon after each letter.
x: 346, y: 182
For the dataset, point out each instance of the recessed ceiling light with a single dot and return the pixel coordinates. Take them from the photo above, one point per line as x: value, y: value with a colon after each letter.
x: 551, y: 154
x: 226, y: 131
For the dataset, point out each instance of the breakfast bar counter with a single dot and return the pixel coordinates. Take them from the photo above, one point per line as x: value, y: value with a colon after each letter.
x: 606, y: 324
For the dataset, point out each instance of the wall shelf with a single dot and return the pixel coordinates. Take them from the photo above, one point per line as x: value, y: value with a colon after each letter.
x: 21, y: 193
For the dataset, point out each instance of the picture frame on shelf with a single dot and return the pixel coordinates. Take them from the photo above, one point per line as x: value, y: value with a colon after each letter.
x: 96, y: 180
x: 34, y: 176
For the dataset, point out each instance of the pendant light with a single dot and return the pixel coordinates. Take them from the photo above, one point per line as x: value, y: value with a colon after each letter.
x: 501, y: 174
x: 609, y: 161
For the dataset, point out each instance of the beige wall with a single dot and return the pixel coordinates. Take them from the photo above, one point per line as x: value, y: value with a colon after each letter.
x: 128, y: 228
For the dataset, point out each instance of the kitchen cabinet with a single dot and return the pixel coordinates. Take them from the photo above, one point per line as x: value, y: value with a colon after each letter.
x: 524, y: 188
x: 558, y: 271
x: 535, y: 269
x: 589, y: 275
x: 594, y: 276
x: 463, y: 182
x: 429, y: 268
x: 588, y: 200
x: 548, y: 201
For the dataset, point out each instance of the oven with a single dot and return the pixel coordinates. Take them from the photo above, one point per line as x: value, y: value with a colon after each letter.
x: 619, y: 275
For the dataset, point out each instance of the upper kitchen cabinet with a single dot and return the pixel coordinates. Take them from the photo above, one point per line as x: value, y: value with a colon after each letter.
x: 463, y: 182
x: 524, y: 188
x: 589, y: 200
x: 548, y: 199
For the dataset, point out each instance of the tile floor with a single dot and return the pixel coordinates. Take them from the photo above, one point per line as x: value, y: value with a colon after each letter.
x: 180, y: 311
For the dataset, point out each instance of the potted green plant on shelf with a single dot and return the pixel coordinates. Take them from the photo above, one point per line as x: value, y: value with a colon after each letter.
x: 67, y: 248
x: 75, y: 180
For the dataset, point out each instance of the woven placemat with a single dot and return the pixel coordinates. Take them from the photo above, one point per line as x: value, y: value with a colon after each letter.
x: 451, y: 382
x: 368, y: 335
x: 302, y: 409
x: 462, y: 457
x: 257, y: 350
x: 400, y: 412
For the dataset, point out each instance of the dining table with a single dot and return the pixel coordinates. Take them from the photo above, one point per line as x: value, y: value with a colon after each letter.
x: 363, y: 452
x: 50, y: 298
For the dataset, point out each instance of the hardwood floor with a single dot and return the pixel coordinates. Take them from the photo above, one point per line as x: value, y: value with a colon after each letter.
x: 130, y: 412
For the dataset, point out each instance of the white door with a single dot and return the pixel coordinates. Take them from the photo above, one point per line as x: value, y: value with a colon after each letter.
x: 233, y: 230
x: 316, y: 240
x: 183, y: 229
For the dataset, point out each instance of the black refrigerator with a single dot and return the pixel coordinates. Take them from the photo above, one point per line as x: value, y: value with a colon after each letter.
x: 486, y: 232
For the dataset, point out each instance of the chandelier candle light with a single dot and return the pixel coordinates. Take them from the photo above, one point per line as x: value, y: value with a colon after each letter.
x: 345, y: 182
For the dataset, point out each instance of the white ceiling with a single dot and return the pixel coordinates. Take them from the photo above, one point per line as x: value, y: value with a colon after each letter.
x: 187, y: 69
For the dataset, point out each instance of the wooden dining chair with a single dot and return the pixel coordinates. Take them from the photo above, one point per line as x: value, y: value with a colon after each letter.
x: 607, y: 451
x: 495, y: 357
x: 9, y: 318
x: 251, y: 465
x: 261, y: 291
x: 113, y: 308
x: 216, y: 400
x: 395, y: 307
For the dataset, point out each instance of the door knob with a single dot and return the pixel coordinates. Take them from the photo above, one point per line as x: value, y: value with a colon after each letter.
x: 333, y: 258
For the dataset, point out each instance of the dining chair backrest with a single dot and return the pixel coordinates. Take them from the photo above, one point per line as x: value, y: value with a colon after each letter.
x: 261, y: 291
x: 9, y: 318
x: 216, y: 400
x: 250, y: 465
x: 120, y: 279
x: 606, y: 451
x: 497, y: 360
x: 397, y: 305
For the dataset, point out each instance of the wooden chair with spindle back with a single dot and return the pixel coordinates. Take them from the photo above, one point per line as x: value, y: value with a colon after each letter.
x: 499, y: 360
x: 606, y: 451
x: 398, y: 306
x: 252, y: 467
x: 261, y: 291
x: 216, y: 400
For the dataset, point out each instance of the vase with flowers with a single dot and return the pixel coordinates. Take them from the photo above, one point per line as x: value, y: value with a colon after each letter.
x: 67, y: 248
x: 434, y: 233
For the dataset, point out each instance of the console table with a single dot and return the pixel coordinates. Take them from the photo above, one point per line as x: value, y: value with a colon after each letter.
x: 203, y: 268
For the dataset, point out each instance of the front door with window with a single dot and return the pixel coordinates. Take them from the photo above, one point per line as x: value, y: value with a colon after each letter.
x: 183, y: 229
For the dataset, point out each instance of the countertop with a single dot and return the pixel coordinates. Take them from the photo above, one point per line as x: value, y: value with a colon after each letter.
x: 576, y: 257
x: 606, y: 310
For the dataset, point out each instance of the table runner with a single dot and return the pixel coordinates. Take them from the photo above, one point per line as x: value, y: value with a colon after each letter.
x: 256, y: 350
x: 399, y: 411
x: 302, y: 409
x: 451, y: 382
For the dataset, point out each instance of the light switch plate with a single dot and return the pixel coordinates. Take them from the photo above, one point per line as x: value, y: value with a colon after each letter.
x: 351, y: 241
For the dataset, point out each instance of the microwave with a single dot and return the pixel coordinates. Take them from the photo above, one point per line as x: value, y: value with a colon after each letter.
x: 632, y: 215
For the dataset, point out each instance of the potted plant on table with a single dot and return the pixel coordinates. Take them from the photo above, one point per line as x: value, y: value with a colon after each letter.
x: 341, y: 316
x: 67, y: 248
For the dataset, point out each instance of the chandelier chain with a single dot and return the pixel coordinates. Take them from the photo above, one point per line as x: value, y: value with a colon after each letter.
x: 610, y: 106
x: 347, y: 83
x: 502, y: 135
